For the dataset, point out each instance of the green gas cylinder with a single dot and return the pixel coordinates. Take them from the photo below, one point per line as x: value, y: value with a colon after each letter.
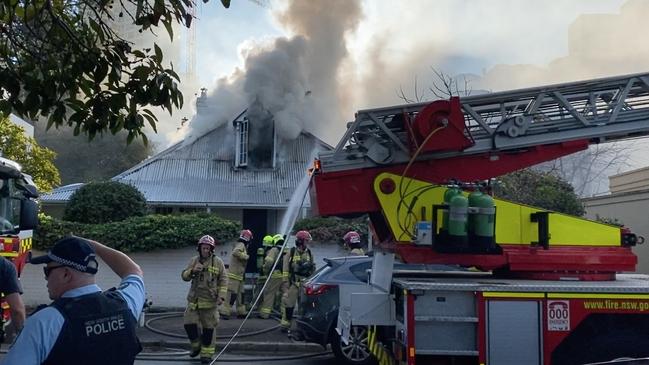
x: 483, y: 220
x: 260, y: 259
x: 448, y: 195
x: 458, y: 217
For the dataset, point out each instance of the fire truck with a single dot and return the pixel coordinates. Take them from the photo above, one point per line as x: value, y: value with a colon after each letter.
x: 18, y: 218
x: 541, y: 287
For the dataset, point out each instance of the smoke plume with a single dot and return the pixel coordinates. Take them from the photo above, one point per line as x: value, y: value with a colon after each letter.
x: 295, y: 78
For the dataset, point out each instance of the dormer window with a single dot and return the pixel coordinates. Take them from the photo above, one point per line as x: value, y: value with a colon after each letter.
x: 241, y: 154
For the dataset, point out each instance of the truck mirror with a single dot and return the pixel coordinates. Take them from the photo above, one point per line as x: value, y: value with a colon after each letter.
x: 28, y: 214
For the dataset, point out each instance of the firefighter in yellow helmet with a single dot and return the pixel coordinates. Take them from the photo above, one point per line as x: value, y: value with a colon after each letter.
x: 298, y: 265
x: 267, y: 244
x: 209, y: 285
x: 275, y: 281
x: 236, y: 273
x: 353, y: 243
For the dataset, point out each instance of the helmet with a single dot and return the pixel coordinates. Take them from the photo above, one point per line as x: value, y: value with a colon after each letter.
x: 278, y: 239
x: 207, y: 240
x: 302, y: 237
x: 352, y: 238
x: 245, y: 235
x: 268, y: 241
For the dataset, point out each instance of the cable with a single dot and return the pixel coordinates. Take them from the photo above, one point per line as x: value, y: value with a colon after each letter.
x: 148, y: 325
x: 165, y: 358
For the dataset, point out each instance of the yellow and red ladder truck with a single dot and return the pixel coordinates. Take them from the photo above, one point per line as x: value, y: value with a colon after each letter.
x: 18, y: 218
x: 545, y: 288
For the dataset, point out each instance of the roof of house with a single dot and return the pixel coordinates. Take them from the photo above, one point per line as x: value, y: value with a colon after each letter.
x: 202, y: 173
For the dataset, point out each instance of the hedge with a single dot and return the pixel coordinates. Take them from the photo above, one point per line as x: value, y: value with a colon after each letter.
x: 104, y: 202
x: 332, y: 229
x: 140, y: 233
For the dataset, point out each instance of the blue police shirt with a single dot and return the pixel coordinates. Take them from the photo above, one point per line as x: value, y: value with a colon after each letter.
x: 42, y: 329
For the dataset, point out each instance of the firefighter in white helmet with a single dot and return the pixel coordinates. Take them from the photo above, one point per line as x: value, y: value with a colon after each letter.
x: 208, y: 288
x: 353, y: 243
x: 275, y: 281
x: 298, y: 265
x: 236, y: 273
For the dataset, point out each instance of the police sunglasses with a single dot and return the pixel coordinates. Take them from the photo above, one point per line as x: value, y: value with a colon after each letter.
x: 48, y: 270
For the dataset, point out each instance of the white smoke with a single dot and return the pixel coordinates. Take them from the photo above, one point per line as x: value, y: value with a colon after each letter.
x: 295, y: 79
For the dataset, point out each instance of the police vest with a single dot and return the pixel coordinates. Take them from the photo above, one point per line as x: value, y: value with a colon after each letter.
x: 99, y: 329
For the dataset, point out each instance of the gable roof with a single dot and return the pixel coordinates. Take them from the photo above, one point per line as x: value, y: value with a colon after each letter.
x: 202, y: 173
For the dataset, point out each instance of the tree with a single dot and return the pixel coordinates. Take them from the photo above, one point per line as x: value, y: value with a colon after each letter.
x: 540, y: 189
x: 103, y: 202
x: 36, y: 161
x: 80, y: 160
x: 63, y: 61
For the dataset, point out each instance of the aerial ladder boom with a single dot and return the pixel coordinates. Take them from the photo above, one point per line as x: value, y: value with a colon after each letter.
x: 475, y: 138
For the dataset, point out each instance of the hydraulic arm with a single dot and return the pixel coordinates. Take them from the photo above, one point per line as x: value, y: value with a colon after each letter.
x: 476, y: 138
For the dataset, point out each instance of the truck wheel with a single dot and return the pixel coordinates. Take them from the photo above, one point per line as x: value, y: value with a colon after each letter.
x: 356, y: 352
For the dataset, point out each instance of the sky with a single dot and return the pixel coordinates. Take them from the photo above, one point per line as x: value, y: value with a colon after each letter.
x: 316, y: 62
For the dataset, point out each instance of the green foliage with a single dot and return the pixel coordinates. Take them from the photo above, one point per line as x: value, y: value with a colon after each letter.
x: 332, y: 229
x: 609, y: 220
x: 63, y: 61
x: 80, y: 160
x: 140, y: 233
x: 103, y: 202
x: 36, y: 161
x: 539, y: 189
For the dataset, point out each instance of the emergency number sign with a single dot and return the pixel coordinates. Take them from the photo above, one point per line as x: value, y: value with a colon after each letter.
x: 558, y: 315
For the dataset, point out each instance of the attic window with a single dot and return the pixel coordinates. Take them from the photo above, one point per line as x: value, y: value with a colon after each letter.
x: 241, y: 154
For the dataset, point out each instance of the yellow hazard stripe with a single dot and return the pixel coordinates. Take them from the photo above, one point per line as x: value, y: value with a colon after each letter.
x: 235, y: 277
x: 512, y: 295
x: 598, y: 296
x: 9, y: 254
x: 25, y: 244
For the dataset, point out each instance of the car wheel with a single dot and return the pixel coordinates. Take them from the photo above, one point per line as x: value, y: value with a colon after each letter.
x: 356, y: 352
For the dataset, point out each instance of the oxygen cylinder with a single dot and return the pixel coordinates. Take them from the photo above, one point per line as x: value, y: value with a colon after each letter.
x: 483, y: 221
x: 458, y: 218
x: 448, y: 195
x: 260, y: 259
x: 474, y: 199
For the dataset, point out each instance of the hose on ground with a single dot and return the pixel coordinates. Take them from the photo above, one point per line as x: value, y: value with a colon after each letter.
x: 161, y: 316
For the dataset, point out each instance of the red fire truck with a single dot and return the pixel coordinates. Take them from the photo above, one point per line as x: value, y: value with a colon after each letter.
x: 545, y: 287
x: 18, y: 217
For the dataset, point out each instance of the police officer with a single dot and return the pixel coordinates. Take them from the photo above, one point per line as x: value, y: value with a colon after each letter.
x: 236, y: 272
x: 208, y: 288
x: 83, y: 324
x: 275, y: 281
x: 298, y: 265
x: 353, y: 243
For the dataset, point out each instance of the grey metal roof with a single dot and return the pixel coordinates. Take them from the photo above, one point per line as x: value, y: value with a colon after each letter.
x: 202, y: 173
x: 61, y: 194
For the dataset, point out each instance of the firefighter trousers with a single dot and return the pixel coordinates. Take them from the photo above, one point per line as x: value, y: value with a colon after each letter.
x: 270, y: 292
x: 235, y: 295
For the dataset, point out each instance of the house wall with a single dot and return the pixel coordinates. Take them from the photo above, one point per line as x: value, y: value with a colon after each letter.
x: 53, y: 210
x: 629, y: 209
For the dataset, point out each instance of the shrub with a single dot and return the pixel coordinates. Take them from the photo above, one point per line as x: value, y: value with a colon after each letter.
x: 140, y: 233
x: 103, y: 202
x: 332, y: 229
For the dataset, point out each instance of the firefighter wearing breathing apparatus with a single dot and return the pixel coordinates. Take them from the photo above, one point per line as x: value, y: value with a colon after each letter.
x: 275, y: 281
x: 298, y: 265
x: 208, y: 288
x: 236, y: 273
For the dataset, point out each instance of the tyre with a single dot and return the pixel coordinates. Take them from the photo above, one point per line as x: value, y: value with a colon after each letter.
x: 356, y: 352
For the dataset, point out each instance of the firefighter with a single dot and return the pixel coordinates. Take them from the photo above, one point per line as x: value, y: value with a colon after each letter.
x: 236, y: 273
x: 353, y: 243
x: 298, y: 265
x: 209, y: 285
x: 267, y: 244
x: 275, y: 282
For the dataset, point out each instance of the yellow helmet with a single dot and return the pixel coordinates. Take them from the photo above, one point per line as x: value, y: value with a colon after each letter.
x: 268, y: 241
x: 278, y: 239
